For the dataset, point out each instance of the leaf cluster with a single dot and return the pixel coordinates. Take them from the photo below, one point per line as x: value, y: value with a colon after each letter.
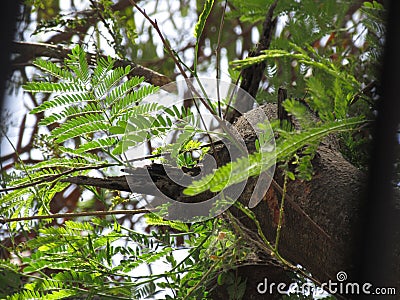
x: 86, y: 106
x: 100, y: 258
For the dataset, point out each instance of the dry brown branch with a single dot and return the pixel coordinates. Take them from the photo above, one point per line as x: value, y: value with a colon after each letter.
x: 27, y: 51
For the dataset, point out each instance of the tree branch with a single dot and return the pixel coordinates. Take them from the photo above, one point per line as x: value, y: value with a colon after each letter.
x: 28, y: 51
x: 118, y: 183
x: 54, y: 177
x: 90, y: 17
x: 76, y: 215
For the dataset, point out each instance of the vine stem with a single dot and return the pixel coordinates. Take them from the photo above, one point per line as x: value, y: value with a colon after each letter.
x: 280, y: 221
x: 273, y: 250
x: 76, y: 215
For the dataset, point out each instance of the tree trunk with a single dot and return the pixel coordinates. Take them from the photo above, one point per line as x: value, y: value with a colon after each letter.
x: 321, y: 219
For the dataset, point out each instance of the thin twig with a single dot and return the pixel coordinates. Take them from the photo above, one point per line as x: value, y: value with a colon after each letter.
x: 183, y: 73
x: 179, y: 66
x: 358, y: 95
x: 77, y: 215
x: 218, y: 57
x: 54, y: 177
x: 176, y: 61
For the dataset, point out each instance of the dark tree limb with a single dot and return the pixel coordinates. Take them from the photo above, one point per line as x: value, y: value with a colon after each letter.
x: 252, y: 75
x: 118, y: 183
x: 27, y: 51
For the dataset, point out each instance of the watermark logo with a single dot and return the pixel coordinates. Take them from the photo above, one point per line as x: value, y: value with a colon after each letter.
x: 341, y: 276
x: 191, y: 112
x: 342, y: 286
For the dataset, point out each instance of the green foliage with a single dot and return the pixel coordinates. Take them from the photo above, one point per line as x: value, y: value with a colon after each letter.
x: 185, y: 157
x: 309, y: 58
x: 88, y: 111
x: 100, y: 258
x: 307, y: 20
x: 374, y: 14
x: 152, y: 219
x: 90, y: 105
x: 90, y: 102
x: 330, y: 89
x: 186, y: 151
x: 145, y: 126
x: 86, y: 105
x: 81, y: 258
x: 203, y: 18
x: 254, y: 164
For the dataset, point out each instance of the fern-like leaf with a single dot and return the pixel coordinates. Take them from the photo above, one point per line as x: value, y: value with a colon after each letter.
x: 153, y: 219
x: 103, y: 67
x: 54, y: 70
x: 78, y: 64
x: 63, y: 100
x: 101, y: 143
x: 53, y: 87
x: 109, y: 81
x: 256, y: 163
x: 80, y: 126
x: 69, y: 112
x: 301, y: 56
x: 121, y: 90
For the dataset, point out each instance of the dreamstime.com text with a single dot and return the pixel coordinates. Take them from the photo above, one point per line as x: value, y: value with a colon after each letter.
x: 309, y: 288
